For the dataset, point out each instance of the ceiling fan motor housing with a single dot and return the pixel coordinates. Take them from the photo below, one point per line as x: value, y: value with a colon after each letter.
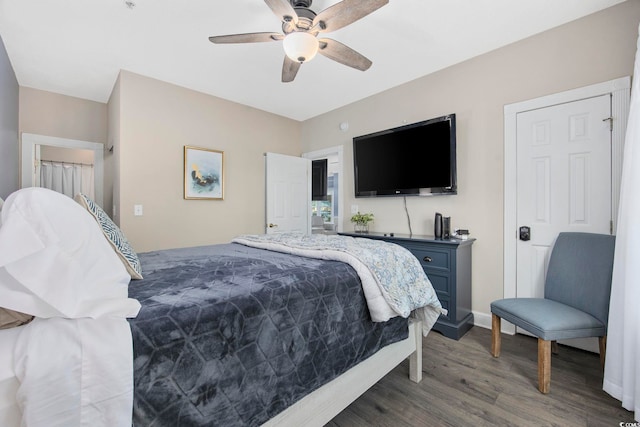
x: 301, y: 3
x: 305, y: 21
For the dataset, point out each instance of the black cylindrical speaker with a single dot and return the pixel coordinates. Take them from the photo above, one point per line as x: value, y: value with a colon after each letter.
x: 446, y: 227
x: 437, y: 226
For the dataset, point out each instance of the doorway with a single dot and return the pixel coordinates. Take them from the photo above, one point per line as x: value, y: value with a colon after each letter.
x: 31, y: 154
x: 564, y: 181
x: 618, y: 92
x: 330, y: 210
x: 65, y: 170
x: 288, y: 194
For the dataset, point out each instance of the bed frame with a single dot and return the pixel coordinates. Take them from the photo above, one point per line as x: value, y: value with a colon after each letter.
x: 319, y: 407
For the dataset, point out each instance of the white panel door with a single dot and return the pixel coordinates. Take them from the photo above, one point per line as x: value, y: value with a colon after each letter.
x: 288, y: 195
x: 563, y: 181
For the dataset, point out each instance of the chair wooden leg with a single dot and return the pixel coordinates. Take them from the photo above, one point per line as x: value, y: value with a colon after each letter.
x: 602, y: 342
x: 544, y: 365
x: 495, y: 336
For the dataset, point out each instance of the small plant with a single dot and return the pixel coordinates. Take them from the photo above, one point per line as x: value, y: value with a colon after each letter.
x: 361, y: 218
x: 362, y: 221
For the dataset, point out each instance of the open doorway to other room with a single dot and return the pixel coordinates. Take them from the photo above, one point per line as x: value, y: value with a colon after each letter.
x: 326, y: 210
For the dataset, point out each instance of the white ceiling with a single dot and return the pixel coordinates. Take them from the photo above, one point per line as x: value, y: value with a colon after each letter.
x: 77, y: 47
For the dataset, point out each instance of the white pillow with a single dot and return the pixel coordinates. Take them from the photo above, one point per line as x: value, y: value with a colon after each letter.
x: 55, y: 261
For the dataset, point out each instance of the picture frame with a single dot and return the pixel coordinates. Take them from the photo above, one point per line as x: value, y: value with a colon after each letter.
x: 203, y: 173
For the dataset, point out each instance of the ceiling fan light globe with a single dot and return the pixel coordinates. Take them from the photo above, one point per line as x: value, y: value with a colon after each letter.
x: 300, y: 46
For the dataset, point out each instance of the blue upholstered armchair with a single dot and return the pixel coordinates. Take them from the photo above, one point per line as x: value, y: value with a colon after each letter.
x: 576, y: 299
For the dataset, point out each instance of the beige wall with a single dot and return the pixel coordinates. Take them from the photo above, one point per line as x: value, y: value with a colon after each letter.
x: 60, y: 154
x: 157, y: 120
x: 597, y: 48
x: 52, y: 114
x: 111, y: 161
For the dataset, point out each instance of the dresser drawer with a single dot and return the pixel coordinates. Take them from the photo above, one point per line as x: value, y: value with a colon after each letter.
x: 440, y: 283
x: 433, y: 258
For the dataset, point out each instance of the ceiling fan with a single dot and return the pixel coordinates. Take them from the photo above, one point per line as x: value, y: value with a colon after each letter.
x: 300, y: 29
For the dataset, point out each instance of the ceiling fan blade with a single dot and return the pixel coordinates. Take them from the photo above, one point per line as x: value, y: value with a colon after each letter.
x: 343, y: 54
x: 283, y: 10
x: 289, y: 69
x: 344, y: 13
x: 247, y: 38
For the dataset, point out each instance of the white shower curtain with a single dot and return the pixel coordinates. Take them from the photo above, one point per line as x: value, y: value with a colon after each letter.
x: 67, y: 178
x: 622, y: 366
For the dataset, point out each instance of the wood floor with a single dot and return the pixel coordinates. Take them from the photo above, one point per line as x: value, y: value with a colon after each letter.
x: 463, y: 385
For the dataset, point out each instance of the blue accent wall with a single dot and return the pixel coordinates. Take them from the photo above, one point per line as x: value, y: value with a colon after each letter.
x: 8, y: 125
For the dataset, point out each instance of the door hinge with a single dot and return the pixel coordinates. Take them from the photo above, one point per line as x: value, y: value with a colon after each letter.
x: 610, y: 119
x: 611, y: 227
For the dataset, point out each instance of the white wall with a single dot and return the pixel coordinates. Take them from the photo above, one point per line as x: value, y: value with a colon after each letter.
x: 594, y: 49
x: 8, y: 126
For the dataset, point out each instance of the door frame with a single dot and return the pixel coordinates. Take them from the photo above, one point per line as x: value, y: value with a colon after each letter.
x: 28, y: 155
x: 620, y: 91
x: 323, y: 154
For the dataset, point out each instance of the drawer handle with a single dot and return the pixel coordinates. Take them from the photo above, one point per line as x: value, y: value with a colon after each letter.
x: 427, y: 259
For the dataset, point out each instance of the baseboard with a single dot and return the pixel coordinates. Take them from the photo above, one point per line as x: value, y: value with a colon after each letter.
x: 484, y: 321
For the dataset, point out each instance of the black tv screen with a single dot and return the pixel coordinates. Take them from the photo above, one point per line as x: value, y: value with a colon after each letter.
x: 417, y: 159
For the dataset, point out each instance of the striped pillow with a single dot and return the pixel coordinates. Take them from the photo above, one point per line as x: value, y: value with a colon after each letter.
x: 114, y: 235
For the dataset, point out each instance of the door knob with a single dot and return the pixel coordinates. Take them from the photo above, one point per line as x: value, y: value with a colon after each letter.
x: 272, y: 225
x: 525, y: 233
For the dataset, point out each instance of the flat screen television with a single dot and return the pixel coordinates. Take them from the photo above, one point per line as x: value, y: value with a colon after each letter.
x: 413, y: 160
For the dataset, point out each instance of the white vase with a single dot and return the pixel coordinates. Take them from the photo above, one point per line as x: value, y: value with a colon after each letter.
x: 361, y: 228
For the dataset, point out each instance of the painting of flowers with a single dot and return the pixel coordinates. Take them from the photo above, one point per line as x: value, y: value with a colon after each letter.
x: 203, y: 173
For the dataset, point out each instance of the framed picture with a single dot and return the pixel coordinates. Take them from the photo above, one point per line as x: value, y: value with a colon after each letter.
x: 203, y: 173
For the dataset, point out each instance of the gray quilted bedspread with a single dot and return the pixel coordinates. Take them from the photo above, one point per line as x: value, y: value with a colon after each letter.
x: 230, y: 335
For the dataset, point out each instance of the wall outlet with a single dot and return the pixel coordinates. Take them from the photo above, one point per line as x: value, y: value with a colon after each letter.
x: 354, y: 209
x: 137, y: 210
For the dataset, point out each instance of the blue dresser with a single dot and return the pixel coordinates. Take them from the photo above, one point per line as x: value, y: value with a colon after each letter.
x: 447, y: 263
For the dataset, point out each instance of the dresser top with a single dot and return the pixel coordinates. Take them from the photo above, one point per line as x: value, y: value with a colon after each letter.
x: 411, y: 237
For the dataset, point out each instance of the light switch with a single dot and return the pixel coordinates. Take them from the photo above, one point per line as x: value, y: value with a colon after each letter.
x: 354, y: 209
x: 137, y: 210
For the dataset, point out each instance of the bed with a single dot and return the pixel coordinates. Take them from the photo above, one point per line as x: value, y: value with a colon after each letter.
x: 299, y: 331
